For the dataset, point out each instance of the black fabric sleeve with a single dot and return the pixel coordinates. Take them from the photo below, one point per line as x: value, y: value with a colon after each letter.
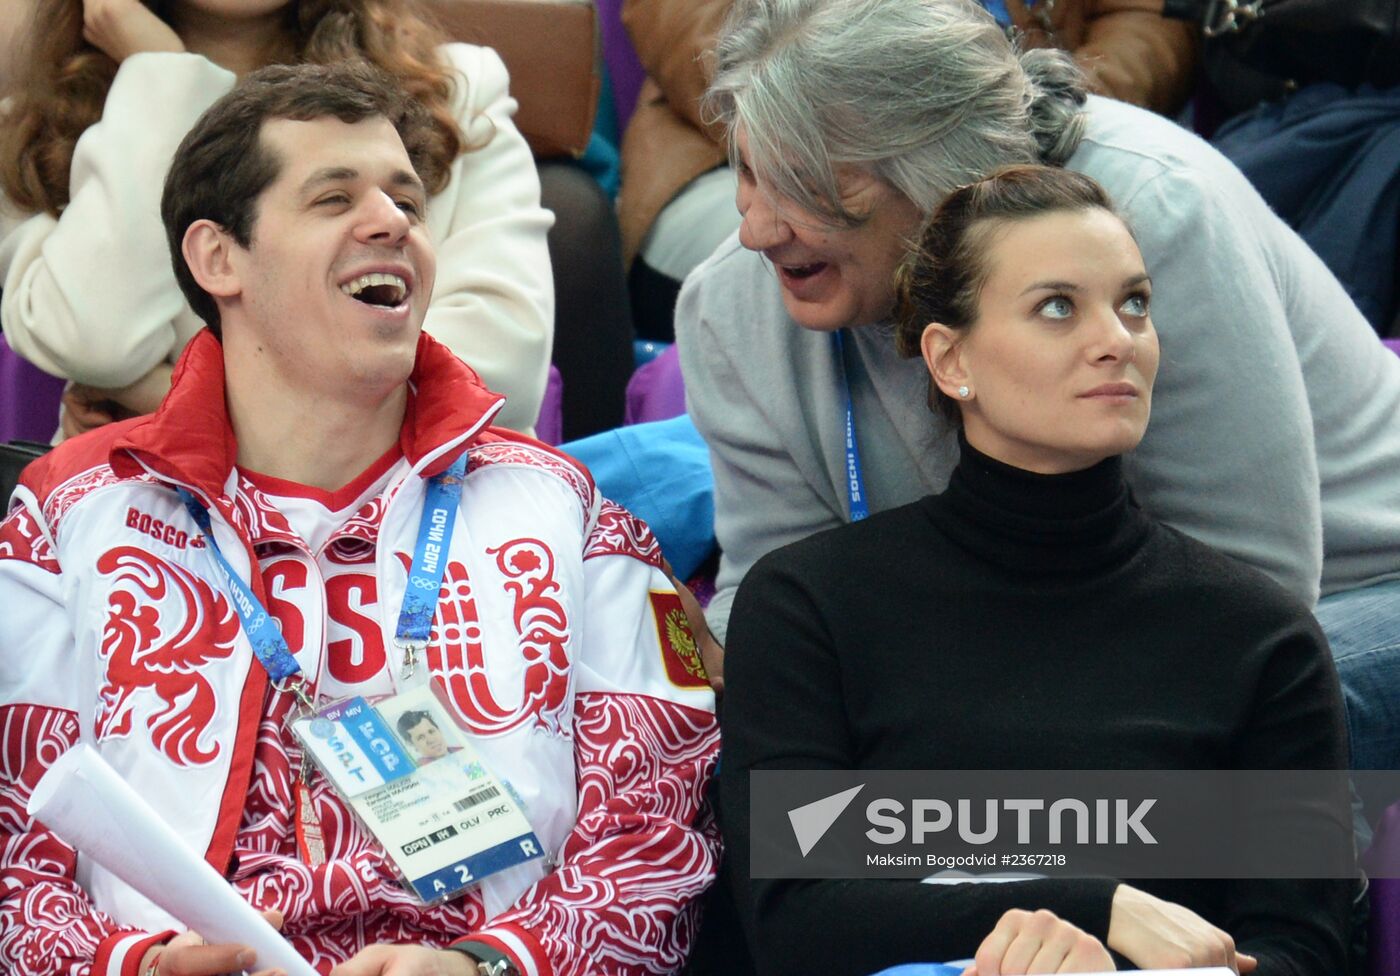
x: 1296, y: 927
x: 783, y: 709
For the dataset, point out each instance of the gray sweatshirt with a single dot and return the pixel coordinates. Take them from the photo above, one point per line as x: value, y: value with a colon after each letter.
x: 1275, y: 432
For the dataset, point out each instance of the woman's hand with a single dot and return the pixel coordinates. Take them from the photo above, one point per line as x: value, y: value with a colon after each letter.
x: 1157, y: 934
x: 126, y: 27
x: 1038, y: 942
x: 406, y: 960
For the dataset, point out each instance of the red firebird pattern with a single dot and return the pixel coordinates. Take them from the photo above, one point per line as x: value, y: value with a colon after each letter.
x: 163, y: 624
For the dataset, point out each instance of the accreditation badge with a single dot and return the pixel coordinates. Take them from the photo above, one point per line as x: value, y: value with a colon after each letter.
x: 418, y: 785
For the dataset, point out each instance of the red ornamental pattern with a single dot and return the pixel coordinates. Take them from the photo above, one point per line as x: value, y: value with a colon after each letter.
x: 257, y: 518
x: 625, y: 899
x: 620, y: 533
x: 457, y: 655
x: 528, y: 566
x: 32, y: 738
x: 511, y: 452
x: 334, y: 909
x: 47, y: 925
x: 20, y: 538
x: 364, y: 524
x: 263, y: 522
x: 72, y: 491
x: 50, y: 929
x: 163, y: 625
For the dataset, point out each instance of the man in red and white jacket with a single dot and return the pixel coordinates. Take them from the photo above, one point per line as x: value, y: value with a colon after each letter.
x: 307, y: 421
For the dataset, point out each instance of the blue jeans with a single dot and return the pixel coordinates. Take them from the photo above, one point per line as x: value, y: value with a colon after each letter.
x: 1363, y: 628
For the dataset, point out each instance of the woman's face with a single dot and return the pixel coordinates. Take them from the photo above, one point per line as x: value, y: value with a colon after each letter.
x: 228, y: 9
x: 830, y: 276
x: 1061, y: 359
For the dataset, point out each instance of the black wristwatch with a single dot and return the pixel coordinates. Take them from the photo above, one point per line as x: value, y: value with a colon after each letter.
x: 490, y: 961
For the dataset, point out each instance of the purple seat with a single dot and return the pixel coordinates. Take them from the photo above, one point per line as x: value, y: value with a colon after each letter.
x: 656, y: 390
x: 1383, y: 949
x: 1392, y: 344
x: 29, y: 399
x: 624, y: 69
x: 550, y: 427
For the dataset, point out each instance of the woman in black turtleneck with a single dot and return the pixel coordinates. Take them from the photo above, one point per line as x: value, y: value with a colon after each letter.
x: 1029, y: 617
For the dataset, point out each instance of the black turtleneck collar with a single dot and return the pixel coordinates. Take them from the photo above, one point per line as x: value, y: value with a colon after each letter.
x: 1040, y: 524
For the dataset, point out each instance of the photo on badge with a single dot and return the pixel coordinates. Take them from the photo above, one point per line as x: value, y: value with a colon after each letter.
x: 423, y: 726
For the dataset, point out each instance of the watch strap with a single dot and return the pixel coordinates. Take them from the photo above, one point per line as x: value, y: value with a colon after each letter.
x: 490, y: 960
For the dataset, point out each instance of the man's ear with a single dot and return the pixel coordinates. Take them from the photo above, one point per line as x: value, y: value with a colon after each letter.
x: 208, y: 251
x: 942, y: 349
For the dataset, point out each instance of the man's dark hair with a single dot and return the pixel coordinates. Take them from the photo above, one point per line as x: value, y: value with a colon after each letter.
x: 408, y: 720
x: 222, y: 165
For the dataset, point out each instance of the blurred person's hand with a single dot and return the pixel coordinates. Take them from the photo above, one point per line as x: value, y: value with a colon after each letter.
x: 86, y: 408
x: 711, y: 653
x: 126, y: 27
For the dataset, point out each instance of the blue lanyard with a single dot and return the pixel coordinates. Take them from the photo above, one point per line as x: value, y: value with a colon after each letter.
x: 416, y: 617
x: 997, y: 8
x: 429, y: 561
x: 269, y: 646
x: 855, y: 481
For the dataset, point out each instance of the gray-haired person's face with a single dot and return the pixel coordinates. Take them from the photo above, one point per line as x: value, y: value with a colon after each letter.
x: 831, y: 276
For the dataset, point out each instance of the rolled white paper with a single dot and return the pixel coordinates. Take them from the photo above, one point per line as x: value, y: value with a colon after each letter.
x: 91, y: 808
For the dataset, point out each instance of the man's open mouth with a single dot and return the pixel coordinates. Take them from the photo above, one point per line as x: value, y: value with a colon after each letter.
x: 378, y: 289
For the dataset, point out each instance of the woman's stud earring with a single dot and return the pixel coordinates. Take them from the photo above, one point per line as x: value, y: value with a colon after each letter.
x: 964, y: 392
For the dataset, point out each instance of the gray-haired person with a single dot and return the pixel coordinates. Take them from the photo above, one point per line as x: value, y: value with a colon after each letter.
x: 1273, y: 435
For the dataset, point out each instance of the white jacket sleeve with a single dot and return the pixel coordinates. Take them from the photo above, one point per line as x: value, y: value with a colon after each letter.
x: 493, y: 304
x: 48, y: 926
x: 92, y: 295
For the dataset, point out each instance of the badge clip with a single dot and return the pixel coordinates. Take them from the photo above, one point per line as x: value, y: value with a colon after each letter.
x: 410, y: 655
x: 297, y: 687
